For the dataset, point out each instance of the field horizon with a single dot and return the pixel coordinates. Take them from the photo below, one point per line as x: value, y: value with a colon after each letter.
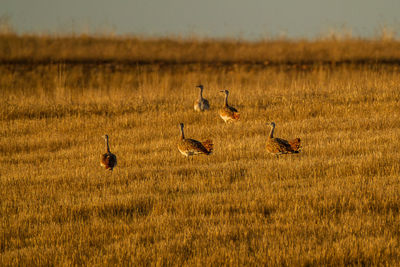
x: 334, y: 203
x: 335, y: 48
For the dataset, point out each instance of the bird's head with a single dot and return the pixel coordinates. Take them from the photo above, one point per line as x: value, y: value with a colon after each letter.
x: 225, y: 92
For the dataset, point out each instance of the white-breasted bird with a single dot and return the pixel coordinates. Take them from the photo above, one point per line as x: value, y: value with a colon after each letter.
x: 201, y: 104
x: 278, y: 146
x: 189, y: 147
x: 228, y: 113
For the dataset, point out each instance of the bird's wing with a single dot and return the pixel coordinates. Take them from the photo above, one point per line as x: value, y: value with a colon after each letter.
x: 228, y: 112
x: 112, y: 160
x: 233, y: 109
x: 277, y: 145
x: 283, y: 144
x: 109, y: 160
x: 193, y: 145
x: 206, y: 104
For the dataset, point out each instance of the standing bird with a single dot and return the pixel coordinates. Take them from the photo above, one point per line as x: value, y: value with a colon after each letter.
x: 228, y: 113
x: 279, y: 146
x: 190, y: 147
x: 108, y: 160
x: 201, y: 103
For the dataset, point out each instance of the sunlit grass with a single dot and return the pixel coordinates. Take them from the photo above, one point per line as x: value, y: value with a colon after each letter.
x: 332, y: 48
x: 335, y: 203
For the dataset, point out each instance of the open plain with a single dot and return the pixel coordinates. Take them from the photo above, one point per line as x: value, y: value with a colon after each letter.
x: 337, y: 202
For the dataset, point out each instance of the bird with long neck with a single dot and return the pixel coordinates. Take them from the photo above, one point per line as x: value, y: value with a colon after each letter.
x: 278, y: 146
x: 201, y: 104
x: 271, y: 133
x: 108, y: 160
x: 189, y: 147
x: 228, y: 113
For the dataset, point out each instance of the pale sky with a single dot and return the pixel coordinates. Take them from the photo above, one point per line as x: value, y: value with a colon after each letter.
x: 249, y: 19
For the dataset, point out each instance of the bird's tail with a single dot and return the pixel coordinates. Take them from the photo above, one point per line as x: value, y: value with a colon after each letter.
x: 208, y: 144
x: 295, y: 145
x: 236, y: 115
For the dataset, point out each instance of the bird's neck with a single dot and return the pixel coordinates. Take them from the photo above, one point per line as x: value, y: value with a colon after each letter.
x: 182, y: 134
x: 226, y: 100
x: 201, y: 93
x: 107, y: 146
x: 271, y: 134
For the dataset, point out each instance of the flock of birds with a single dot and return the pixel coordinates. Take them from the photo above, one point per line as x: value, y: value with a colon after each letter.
x: 190, y: 147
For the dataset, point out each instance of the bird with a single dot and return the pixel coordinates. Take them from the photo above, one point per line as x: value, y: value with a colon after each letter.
x: 279, y: 146
x: 228, y: 113
x: 201, y: 104
x: 108, y: 160
x: 189, y: 147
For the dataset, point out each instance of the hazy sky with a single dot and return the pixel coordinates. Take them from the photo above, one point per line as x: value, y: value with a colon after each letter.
x: 249, y: 19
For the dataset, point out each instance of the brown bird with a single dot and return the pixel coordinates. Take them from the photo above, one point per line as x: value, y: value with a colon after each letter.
x: 228, y: 113
x: 201, y: 103
x: 190, y: 147
x: 279, y: 146
x: 108, y: 160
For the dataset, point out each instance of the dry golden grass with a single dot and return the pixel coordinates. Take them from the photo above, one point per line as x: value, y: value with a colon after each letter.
x: 82, y: 48
x: 335, y: 203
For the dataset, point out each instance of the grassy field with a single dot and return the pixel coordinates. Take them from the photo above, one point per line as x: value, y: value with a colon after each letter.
x: 83, y: 49
x: 335, y: 203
